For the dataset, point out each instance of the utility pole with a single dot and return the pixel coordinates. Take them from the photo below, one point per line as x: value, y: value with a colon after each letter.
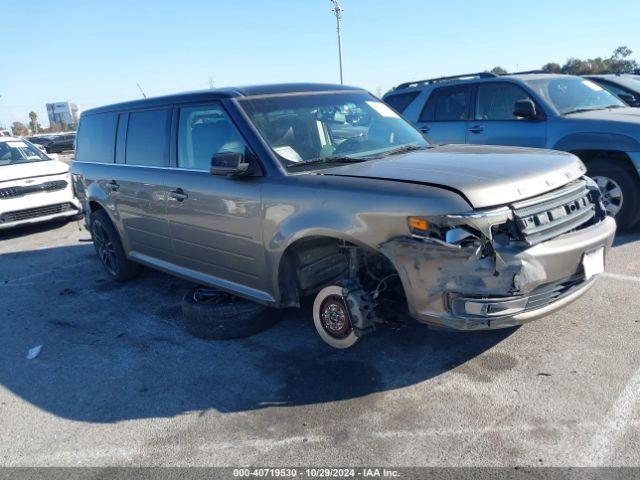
x: 337, y: 10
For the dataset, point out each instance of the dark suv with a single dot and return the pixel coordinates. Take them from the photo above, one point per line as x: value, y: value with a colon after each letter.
x: 560, y: 112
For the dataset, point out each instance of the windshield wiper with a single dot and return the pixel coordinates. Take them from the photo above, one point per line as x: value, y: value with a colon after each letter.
x: 326, y: 160
x: 399, y: 150
x: 580, y: 110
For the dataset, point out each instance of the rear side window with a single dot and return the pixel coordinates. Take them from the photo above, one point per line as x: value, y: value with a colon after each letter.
x: 448, y: 104
x: 496, y: 101
x: 401, y: 101
x: 97, y: 138
x: 147, y: 138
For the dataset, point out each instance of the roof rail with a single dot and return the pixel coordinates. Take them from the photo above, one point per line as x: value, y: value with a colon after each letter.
x: 526, y: 72
x: 446, y: 79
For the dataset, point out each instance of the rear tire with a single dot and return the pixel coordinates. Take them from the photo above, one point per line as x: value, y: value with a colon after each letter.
x: 216, y: 315
x: 109, y: 249
x: 620, y: 190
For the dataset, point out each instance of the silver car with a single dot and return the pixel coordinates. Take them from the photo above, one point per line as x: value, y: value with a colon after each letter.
x: 276, y: 193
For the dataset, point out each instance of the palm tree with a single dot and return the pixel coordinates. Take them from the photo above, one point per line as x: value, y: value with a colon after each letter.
x: 33, y: 117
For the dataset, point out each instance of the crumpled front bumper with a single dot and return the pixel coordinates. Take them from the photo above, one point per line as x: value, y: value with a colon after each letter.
x: 520, y: 284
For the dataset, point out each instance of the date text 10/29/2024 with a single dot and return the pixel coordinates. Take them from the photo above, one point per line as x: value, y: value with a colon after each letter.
x: 315, y: 472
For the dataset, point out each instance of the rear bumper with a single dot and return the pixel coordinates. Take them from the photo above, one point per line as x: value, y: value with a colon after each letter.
x: 520, y: 284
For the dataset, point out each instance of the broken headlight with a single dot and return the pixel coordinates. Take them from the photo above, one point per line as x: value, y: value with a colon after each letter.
x: 440, y: 231
x: 461, y: 228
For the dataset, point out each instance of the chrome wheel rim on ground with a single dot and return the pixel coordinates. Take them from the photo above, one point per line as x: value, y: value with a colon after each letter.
x: 612, y: 196
x: 105, y: 248
x: 335, y: 317
x: 206, y: 295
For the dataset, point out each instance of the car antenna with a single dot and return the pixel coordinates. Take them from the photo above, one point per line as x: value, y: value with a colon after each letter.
x: 141, y: 91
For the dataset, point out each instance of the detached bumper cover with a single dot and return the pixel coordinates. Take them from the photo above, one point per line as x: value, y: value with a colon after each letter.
x: 457, y: 288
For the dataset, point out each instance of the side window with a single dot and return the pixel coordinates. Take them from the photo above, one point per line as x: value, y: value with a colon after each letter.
x: 147, y: 138
x: 204, y: 131
x: 615, y: 89
x: 450, y: 104
x: 401, y: 101
x: 495, y: 101
x: 96, y: 138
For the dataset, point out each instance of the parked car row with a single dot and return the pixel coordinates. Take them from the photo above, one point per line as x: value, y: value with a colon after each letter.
x: 277, y: 193
x: 57, y: 143
x: 33, y: 186
x: 560, y: 112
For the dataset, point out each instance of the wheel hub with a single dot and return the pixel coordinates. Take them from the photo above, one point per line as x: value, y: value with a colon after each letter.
x: 612, y: 196
x: 335, y: 317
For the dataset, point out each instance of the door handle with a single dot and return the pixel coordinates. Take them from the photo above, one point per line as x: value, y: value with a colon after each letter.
x: 113, y: 185
x: 425, y: 128
x: 476, y: 129
x: 178, y: 194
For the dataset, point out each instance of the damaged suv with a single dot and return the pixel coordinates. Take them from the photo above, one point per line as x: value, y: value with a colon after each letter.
x: 276, y: 193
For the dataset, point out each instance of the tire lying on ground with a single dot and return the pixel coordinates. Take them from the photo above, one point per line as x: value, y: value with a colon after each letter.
x: 216, y: 315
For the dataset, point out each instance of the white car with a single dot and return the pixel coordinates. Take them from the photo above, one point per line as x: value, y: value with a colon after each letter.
x: 33, y: 186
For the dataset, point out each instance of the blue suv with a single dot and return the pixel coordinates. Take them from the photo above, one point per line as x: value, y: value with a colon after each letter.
x: 535, y: 109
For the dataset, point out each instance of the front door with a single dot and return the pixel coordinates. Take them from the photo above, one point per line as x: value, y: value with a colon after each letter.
x: 215, y: 221
x: 494, y: 123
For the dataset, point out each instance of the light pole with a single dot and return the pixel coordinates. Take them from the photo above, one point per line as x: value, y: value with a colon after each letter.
x: 337, y: 10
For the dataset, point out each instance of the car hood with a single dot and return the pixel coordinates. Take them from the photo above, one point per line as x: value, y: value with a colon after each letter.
x: 33, y: 169
x: 485, y: 176
x: 625, y: 114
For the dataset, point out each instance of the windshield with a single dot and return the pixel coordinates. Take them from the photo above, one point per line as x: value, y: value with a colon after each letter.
x: 19, y: 151
x: 574, y: 94
x: 323, y: 128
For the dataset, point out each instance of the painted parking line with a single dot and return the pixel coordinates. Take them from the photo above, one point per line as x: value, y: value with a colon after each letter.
x: 618, y: 419
x: 624, y: 278
x: 13, y: 281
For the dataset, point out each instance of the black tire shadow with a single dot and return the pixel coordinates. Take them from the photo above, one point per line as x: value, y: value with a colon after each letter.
x: 115, y: 352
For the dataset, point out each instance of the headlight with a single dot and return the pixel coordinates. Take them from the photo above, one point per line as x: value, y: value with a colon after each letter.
x: 452, y: 234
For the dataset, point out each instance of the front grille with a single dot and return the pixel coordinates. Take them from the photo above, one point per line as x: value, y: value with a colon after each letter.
x: 550, y: 292
x: 28, y: 213
x: 19, y: 191
x: 558, y: 212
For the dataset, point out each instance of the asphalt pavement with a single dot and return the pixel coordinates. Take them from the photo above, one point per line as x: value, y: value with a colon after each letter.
x: 118, y: 381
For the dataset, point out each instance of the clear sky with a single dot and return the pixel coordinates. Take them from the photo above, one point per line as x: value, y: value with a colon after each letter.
x: 94, y: 52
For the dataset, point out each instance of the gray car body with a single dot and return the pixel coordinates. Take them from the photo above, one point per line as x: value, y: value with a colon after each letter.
x: 238, y: 233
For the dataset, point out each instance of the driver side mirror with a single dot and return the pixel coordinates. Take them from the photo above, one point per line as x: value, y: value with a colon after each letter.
x: 228, y: 163
x: 525, y: 109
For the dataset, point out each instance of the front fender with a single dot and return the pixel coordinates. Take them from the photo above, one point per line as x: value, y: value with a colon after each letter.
x: 339, y: 227
x: 597, y: 141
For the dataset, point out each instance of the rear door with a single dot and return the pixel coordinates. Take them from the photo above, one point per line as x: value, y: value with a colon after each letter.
x: 493, y: 120
x: 444, y: 116
x: 137, y: 183
x: 215, y: 221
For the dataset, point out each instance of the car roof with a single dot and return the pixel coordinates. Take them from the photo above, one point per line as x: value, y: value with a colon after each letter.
x: 220, y: 93
x: 483, y: 77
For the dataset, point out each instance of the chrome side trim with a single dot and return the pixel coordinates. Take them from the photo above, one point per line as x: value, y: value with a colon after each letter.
x: 144, y: 166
